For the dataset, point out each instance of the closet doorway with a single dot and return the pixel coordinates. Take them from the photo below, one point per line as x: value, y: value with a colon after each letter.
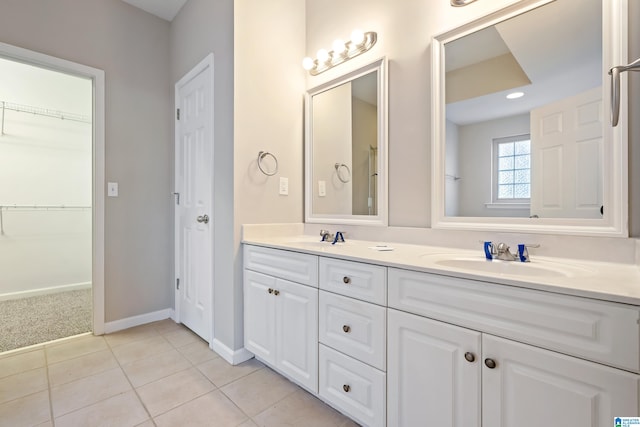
x: 51, y: 221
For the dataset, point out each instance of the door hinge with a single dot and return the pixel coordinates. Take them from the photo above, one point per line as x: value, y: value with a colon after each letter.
x: 177, y: 197
x: 177, y: 114
x: 178, y: 284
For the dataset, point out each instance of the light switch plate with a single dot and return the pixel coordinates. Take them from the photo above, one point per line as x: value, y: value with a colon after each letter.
x: 284, y: 186
x: 112, y: 189
x: 322, y: 188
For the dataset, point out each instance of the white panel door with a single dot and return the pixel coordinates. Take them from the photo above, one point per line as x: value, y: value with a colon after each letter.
x: 259, y: 315
x: 433, y: 373
x: 531, y: 387
x: 297, y: 332
x: 566, y: 157
x: 194, y: 184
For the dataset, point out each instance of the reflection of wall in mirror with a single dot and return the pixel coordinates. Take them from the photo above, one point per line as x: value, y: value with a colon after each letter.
x: 332, y: 144
x: 365, y: 137
x: 451, y: 168
x: 475, y: 157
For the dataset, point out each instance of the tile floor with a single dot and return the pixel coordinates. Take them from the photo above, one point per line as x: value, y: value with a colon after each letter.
x: 160, y: 374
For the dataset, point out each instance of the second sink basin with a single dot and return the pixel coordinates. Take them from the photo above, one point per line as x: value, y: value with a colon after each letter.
x: 536, y: 268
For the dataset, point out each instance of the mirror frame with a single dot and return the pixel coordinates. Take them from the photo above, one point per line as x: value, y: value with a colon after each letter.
x: 381, y: 219
x: 615, y: 167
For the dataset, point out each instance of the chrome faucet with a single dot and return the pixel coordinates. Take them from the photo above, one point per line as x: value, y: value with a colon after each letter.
x: 501, y: 251
x: 326, y: 236
x: 504, y: 254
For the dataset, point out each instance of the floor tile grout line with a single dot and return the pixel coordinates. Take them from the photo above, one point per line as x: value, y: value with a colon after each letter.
x: 46, y: 365
x: 131, y: 385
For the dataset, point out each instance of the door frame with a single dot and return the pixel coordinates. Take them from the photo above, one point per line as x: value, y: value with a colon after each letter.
x: 206, y: 63
x: 98, y: 162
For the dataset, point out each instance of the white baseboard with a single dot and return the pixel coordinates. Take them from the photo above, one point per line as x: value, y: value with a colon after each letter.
x: 45, y: 291
x: 234, y: 357
x: 130, y: 322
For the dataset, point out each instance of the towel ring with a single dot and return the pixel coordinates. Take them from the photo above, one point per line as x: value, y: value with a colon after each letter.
x: 338, y: 166
x: 261, y: 156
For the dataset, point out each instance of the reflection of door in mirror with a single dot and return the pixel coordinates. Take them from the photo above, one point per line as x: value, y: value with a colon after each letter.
x: 345, y: 144
x: 553, y: 55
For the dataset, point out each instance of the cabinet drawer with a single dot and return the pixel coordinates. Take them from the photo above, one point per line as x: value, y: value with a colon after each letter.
x: 596, y: 330
x: 356, y: 389
x: 294, y: 266
x: 354, y: 327
x: 354, y: 279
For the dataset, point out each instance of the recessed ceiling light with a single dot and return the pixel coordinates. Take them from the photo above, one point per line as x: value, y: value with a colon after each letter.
x: 515, y: 95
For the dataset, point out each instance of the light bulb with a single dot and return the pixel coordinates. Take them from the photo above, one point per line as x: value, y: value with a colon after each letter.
x: 323, y: 56
x: 515, y: 95
x: 338, y: 46
x: 357, y: 37
x: 307, y: 63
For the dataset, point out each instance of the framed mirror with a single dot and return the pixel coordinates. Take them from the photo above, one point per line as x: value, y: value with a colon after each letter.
x: 521, y: 137
x: 346, y: 148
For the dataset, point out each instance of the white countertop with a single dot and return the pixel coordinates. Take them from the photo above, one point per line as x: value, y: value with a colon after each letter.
x: 600, y: 280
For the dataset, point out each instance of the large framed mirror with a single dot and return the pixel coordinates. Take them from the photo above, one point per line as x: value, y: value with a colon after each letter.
x: 346, y: 148
x: 521, y: 137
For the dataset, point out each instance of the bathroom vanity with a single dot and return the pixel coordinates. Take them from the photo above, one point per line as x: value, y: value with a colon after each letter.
x: 409, y: 337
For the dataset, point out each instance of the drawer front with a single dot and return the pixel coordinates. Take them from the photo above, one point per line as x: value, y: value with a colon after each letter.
x: 354, y: 327
x: 354, y: 388
x: 293, y: 266
x: 354, y: 279
x: 597, y: 330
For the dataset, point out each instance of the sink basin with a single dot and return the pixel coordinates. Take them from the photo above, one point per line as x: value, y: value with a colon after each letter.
x: 535, y: 268
x: 314, y: 244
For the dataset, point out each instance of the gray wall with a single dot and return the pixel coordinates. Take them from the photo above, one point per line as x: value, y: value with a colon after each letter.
x: 202, y: 27
x: 131, y: 47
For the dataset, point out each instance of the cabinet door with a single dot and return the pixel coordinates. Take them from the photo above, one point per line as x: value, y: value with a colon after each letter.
x: 259, y: 315
x: 429, y: 380
x: 532, y: 387
x: 297, y: 333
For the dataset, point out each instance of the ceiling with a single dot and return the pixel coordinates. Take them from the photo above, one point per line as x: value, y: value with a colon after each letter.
x: 165, y: 9
x: 559, y: 47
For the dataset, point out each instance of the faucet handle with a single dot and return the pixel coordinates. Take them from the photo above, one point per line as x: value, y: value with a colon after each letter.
x: 326, y: 235
x: 489, y: 250
x: 523, y: 253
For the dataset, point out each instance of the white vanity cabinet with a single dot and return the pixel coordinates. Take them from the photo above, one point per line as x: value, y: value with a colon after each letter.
x: 448, y: 366
x: 280, y: 315
x: 352, y: 335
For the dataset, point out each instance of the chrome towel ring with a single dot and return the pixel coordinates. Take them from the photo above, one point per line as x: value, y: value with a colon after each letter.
x: 261, y: 156
x: 340, y: 166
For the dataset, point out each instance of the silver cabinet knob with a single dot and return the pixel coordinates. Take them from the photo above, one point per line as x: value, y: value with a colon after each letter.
x: 469, y: 357
x: 203, y: 218
x: 490, y: 363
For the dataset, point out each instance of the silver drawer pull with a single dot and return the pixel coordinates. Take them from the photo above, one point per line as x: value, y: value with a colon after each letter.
x: 346, y: 280
x: 346, y: 388
x: 346, y: 328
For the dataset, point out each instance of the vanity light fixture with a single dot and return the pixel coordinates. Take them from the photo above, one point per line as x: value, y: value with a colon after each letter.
x: 458, y: 3
x: 342, y: 51
x: 515, y: 95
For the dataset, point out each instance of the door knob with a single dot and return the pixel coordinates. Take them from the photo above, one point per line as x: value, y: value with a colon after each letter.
x: 203, y: 218
x: 469, y: 357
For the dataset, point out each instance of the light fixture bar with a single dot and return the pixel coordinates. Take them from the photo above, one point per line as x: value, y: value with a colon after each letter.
x: 458, y: 3
x: 336, y: 57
